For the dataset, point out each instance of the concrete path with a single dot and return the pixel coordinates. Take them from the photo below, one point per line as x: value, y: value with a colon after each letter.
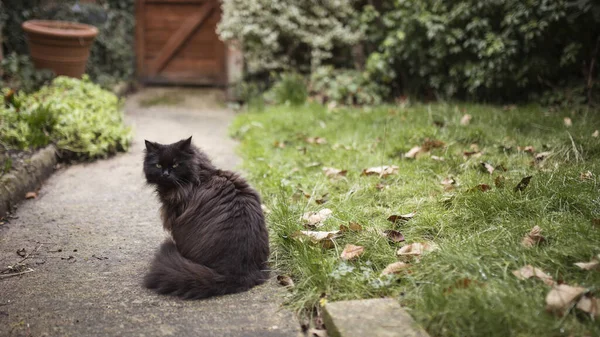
x: 95, y: 228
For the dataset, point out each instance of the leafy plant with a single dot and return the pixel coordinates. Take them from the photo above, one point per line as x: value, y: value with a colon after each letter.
x: 289, y: 89
x: 345, y: 86
x: 19, y: 73
x: 78, y: 116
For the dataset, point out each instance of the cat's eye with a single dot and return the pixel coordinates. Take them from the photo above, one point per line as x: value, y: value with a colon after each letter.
x: 175, y: 165
x: 158, y: 165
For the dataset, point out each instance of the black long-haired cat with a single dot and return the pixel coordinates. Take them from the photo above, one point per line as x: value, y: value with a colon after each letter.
x: 219, y: 240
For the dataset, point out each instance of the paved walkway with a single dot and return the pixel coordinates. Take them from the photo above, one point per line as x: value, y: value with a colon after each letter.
x: 96, y: 227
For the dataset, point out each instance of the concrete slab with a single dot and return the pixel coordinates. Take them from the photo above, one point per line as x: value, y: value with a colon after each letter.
x: 93, y: 231
x: 380, y: 317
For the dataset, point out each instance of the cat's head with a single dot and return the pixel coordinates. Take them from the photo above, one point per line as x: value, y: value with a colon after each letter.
x: 169, y: 165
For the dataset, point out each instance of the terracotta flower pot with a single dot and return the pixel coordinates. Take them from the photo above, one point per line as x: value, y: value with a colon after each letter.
x: 61, y: 46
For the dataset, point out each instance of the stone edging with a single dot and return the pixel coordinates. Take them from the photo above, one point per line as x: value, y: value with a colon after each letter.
x: 15, y: 184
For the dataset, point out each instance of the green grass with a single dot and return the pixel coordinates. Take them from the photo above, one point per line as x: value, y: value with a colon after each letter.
x: 479, y: 233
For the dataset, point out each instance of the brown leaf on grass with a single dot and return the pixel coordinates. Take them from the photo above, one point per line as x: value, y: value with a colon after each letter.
x: 562, y: 297
x: 31, y: 195
x: 323, y: 238
x: 381, y: 186
x: 568, y: 122
x: 466, y: 119
x: 315, y: 219
x: 323, y: 199
x: 265, y: 209
x: 352, y: 226
x: 331, y: 172
x: 448, y: 181
x: 412, y: 153
x: 401, y: 218
x: 285, y: 281
x: 351, y: 252
x: 487, y: 167
x: 542, y: 156
x: 462, y: 283
x: 534, y: 237
x: 523, y: 184
x: 436, y: 158
x: 316, y: 140
x: 596, y: 134
x: 529, y: 271
x: 279, y: 144
x: 586, y: 175
x: 590, y: 305
x: 382, y: 171
x: 481, y: 188
x: 593, y: 264
x: 429, y: 144
x: 394, y: 268
x: 469, y: 154
x: 394, y: 235
x: 417, y: 248
x: 499, y: 181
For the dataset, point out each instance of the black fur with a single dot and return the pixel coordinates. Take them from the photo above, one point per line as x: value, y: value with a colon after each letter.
x: 219, y: 239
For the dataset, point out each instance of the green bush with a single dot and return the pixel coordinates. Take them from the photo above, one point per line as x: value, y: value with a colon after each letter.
x: 290, y: 89
x: 345, y: 86
x: 79, y: 117
x: 289, y: 34
x: 490, y: 50
x: 18, y: 72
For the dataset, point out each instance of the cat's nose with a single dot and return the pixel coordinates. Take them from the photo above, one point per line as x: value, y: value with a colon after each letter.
x: 165, y: 173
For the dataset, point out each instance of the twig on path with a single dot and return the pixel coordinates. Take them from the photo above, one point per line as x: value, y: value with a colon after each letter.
x: 29, y: 254
x: 29, y: 270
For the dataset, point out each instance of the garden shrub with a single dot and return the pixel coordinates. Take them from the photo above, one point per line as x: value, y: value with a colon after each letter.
x: 345, y: 86
x: 289, y: 89
x: 289, y: 34
x: 18, y: 72
x: 83, y: 120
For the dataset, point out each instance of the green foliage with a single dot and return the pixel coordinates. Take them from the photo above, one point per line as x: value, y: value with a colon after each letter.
x: 501, y: 49
x: 466, y: 288
x: 19, y: 73
x: 345, y: 86
x: 290, y: 89
x: 112, y: 55
x: 288, y: 35
x: 79, y: 117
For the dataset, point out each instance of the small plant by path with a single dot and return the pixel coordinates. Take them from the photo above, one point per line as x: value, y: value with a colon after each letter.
x: 477, y: 218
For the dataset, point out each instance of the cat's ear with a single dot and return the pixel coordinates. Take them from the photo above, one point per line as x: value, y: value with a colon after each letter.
x: 185, y: 144
x: 150, y: 146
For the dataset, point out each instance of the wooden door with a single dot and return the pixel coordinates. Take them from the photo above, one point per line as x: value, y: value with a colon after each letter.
x: 177, y: 43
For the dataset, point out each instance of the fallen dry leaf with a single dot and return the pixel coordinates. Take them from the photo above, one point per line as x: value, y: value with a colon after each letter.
x: 534, y: 237
x: 331, y: 172
x: 394, y: 235
x: 528, y: 149
x: 31, y: 195
x: 323, y: 199
x: 586, y: 175
x: 412, y: 153
x: 315, y: 219
x: 562, y: 296
x: 596, y: 134
x: 381, y: 186
x: 568, y: 122
x: 265, y: 209
x: 593, y: 264
x: 285, y: 281
x: 448, y: 183
x: 279, y: 144
x: 324, y: 238
x: 316, y: 140
x: 529, y: 271
x: 542, y: 156
x: 352, y: 226
x: 462, y: 283
x: 481, y: 188
x: 351, y: 252
x: 487, y: 167
x: 394, y: 268
x: 429, y: 144
x: 590, y: 305
x: 381, y: 170
x: 523, y: 184
x: 474, y: 154
x: 436, y: 158
x: 401, y: 218
x: 499, y: 181
x: 466, y: 119
x: 417, y: 248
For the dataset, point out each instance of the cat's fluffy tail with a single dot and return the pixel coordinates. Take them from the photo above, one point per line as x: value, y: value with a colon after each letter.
x: 173, y: 274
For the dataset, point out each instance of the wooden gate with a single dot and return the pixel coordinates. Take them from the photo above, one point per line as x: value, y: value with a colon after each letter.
x: 177, y: 43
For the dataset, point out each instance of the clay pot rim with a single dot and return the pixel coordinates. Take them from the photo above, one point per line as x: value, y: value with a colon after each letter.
x: 65, y: 29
